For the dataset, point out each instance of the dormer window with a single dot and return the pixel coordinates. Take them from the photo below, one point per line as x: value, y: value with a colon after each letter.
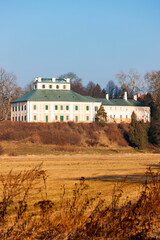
x: 43, y: 86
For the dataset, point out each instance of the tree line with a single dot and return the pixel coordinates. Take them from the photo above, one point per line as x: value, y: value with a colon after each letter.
x: 128, y: 82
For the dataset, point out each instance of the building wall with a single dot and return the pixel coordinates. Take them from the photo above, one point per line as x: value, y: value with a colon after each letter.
x: 123, y: 113
x: 54, y: 111
x: 73, y: 111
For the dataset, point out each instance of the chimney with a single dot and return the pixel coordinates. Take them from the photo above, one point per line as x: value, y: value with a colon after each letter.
x: 135, y: 97
x: 125, y: 96
x: 107, y: 96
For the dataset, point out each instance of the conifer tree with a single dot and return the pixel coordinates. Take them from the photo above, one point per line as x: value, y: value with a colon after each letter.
x: 101, y: 116
x: 138, y: 132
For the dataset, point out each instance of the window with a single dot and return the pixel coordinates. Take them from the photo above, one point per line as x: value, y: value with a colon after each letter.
x: 50, y: 86
x: 126, y: 116
x: 19, y: 108
x: 43, y: 86
x: 16, y: 118
x: 46, y: 107
x: 34, y: 107
x: 76, y: 108
x: 67, y: 118
x: 25, y: 118
x: 25, y: 107
x: 87, y: 108
x: 64, y: 86
x: 46, y: 118
x: 34, y: 117
x: 120, y: 116
x: 57, y: 86
x: 56, y: 118
x: 76, y: 118
x: 61, y: 107
x: 56, y: 107
x: 13, y: 109
x: 67, y: 108
x: 22, y: 107
x: 19, y: 119
x: 61, y: 118
x: 87, y: 118
x: 13, y: 118
x: 35, y: 86
x: 114, y: 116
x: 22, y: 118
x: 96, y: 109
x: 110, y: 116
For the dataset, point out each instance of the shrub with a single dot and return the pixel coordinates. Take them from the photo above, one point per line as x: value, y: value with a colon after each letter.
x: 1, y: 150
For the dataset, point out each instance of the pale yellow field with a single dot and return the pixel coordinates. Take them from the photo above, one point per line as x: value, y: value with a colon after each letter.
x: 100, y: 171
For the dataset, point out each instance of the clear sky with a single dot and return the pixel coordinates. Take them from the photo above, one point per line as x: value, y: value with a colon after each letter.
x: 93, y: 38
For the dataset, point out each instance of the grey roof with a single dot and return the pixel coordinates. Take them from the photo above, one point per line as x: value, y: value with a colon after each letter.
x: 70, y: 96
x: 53, y: 95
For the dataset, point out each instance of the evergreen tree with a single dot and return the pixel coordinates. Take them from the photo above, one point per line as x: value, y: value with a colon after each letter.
x: 138, y: 132
x: 101, y: 116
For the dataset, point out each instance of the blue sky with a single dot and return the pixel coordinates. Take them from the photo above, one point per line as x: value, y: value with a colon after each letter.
x: 93, y: 38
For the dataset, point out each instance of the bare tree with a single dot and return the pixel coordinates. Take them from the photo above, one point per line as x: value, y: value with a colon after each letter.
x: 130, y: 82
x: 8, y: 89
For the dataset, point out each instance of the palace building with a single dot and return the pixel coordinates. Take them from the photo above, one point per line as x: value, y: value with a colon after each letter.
x: 52, y: 100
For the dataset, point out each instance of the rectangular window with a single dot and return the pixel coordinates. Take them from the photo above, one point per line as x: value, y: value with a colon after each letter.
x: 34, y: 107
x: 13, y: 118
x: 22, y: 107
x: 61, y: 107
x: 56, y: 107
x: 61, y: 118
x: 25, y: 118
x: 126, y: 116
x: 67, y: 108
x: 110, y: 116
x: 34, y: 117
x: 64, y: 86
x: 56, y: 118
x: 57, y: 86
x: 16, y: 109
x: 43, y: 86
x: 50, y: 86
x: 19, y: 108
x: 96, y: 109
x: 120, y: 116
x: 87, y: 108
x: 25, y: 107
x: 76, y: 118
x: 114, y: 116
x: 46, y: 107
x: 67, y: 118
x: 16, y: 118
x: 76, y: 108
x: 87, y: 118
x: 46, y: 118
x: 19, y: 118
x: 13, y: 109
x: 22, y: 118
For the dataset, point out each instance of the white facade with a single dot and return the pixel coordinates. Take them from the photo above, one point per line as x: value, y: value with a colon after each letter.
x: 62, y: 104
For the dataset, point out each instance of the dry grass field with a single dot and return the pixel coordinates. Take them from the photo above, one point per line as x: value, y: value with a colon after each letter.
x: 101, y: 171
